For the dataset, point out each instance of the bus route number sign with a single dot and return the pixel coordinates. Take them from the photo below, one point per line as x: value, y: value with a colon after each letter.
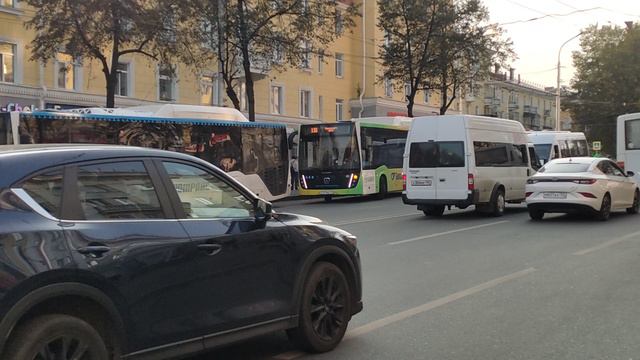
x: 596, y: 145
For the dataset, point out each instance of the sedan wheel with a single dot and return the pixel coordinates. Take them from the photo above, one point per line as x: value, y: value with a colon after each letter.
x: 605, y: 208
x: 325, y: 310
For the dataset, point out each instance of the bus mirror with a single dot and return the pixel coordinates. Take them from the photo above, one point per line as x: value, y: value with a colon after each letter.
x: 631, y: 174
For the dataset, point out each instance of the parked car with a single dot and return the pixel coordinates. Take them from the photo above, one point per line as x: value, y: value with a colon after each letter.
x: 463, y: 160
x: 583, y: 184
x: 113, y: 251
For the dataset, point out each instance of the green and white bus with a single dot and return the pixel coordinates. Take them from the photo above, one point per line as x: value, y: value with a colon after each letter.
x: 358, y: 157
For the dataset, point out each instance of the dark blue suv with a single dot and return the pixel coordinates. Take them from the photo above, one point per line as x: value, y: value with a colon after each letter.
x: 111, y: 252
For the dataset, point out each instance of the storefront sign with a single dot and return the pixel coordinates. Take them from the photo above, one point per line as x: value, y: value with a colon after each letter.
x: 18, y: 107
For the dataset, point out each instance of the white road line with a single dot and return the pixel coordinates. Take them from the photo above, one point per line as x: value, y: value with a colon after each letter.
x: 371, y: 219
x: 607, y: 243
x: 289, y: 355
x: 446, y: 233
x: 403, y: 315
x: 377, y: 324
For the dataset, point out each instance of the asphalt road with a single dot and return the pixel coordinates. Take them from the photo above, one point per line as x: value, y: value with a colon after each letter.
x: 467, y: 286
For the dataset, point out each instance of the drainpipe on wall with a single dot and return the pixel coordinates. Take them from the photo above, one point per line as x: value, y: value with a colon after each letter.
x: 364, y: 55
x: 43, y: 95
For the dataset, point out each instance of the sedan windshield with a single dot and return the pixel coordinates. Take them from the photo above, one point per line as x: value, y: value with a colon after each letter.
x: 565, y: 167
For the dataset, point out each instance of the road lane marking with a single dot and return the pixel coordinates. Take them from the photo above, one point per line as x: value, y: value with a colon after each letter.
x: 289, y: 355
x: 359, y: 221
x: 446, y: 233
x: 607, y: 244
x: 403, y: 315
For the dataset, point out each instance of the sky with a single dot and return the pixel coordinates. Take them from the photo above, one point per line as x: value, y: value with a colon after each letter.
x: 537, y: 42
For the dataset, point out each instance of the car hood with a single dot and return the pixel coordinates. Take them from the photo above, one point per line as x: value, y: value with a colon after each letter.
x: 296, y: 219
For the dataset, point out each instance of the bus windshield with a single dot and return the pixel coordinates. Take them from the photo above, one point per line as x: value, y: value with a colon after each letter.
x: 543, y: 151
x: 329, y: 147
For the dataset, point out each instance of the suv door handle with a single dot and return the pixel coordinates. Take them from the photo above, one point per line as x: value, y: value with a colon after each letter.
x: 443, y: 180
x: 210, y: 249
x: 95, y: 250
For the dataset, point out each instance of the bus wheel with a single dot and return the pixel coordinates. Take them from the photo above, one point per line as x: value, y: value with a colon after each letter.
x: 328, y: 198
x: 384, y: 190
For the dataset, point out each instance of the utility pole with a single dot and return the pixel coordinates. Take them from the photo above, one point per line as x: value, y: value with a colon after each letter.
x: 558, y: 83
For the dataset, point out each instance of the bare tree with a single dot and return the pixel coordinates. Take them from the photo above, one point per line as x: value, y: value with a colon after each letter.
x: 437, y: 45
x: 249, y: 36
x: 105, y: 30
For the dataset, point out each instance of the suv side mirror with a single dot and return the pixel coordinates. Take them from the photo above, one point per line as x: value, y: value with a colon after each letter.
x: 631, y: 174
x: 264, y: 210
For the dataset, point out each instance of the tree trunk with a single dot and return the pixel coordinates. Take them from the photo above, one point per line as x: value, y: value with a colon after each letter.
x: 411, y: 99
x: 232, y: 96
x: 246, y: 62
x: 111, y: 92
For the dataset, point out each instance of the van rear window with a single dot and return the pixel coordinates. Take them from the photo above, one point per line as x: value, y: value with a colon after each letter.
x: 436, y: 154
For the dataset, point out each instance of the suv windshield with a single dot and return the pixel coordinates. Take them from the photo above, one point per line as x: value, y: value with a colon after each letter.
x: 329, y: 147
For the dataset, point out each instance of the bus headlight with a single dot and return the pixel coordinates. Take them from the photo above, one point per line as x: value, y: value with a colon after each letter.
x: 353, y: 180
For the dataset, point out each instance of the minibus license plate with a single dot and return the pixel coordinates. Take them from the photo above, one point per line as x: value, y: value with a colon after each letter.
x: 554, y: 195
x: 421, y: 182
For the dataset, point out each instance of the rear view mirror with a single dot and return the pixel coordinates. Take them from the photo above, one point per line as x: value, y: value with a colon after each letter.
x: 631, y: 174
x: 264, y: 210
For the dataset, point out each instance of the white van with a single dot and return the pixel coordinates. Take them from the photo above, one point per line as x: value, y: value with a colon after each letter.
x: 558, y: 144
x: 462, y: 160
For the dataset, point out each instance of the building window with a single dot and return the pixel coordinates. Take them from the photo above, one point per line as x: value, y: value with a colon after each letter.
x: 320, y: 63
x: 426, y: 95
x: 244, y: 103
x: 320, y: 107
x: 339, y: 23
x: 208, y: 88
x: 339, y: 109
x: 278, y: 56
x: 122, y: 71
x: 8, y: 3
x: 277, y: 99
x: 306, y: 56
x: 67, y: 70
x: 166, y: 84
x: 407, y: 91
x: 388, y: 88
x: 7, y: 62
x: 339, y: 65
x: 387, y: 38
x: 305, y: 100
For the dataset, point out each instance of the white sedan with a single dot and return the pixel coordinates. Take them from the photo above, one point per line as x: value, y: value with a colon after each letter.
x: 581, y: 184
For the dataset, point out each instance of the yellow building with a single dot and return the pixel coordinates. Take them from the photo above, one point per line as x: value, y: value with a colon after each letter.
x: 506, y: 96
x: 341, y: 85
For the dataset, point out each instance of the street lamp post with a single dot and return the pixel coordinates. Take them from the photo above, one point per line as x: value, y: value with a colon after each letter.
x: 558, y: 83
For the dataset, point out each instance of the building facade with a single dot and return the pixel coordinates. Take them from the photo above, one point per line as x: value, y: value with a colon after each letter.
x: 506, y: 96
x: 345, y: 83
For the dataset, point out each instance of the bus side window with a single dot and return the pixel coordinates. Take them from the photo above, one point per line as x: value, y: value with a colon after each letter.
x: 556, y: 152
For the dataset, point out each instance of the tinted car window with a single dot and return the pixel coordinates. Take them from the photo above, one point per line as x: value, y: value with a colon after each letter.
x: 565, y: 167
x: 204, y: 196
x: 119, y: 190
x: 436, y: 154
x: 46, y: 190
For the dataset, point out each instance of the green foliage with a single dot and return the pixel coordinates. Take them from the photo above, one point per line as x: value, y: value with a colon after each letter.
x: 606, y: 82
x: 103, y: 30
x: 263, y: 35
x: 438, y: 45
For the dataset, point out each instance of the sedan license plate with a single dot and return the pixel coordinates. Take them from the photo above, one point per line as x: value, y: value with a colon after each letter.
x: 554, y: 195
x: 421, y: 182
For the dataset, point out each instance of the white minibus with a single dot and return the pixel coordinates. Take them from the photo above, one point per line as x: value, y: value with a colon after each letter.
x: 558, y: 144
x: 463, y: 160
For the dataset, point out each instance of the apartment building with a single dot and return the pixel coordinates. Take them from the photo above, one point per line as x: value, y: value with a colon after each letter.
x: 506, y: 96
